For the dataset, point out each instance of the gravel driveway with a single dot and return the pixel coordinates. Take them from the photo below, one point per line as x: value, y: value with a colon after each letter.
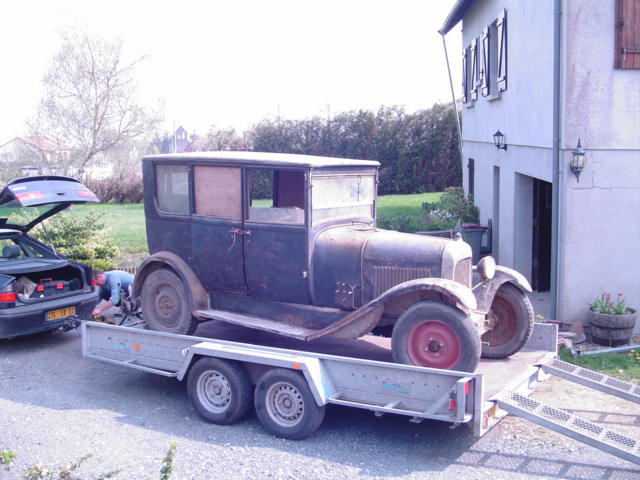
x: 56, y: 406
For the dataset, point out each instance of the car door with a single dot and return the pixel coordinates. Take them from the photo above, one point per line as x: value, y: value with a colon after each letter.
x: 275, y: 235
x: 216, y: 228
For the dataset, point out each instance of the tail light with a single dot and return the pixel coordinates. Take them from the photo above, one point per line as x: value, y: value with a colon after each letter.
x: 7, y: 292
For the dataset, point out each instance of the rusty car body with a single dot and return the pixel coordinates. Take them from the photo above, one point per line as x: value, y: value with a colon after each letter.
x: 289, y: 244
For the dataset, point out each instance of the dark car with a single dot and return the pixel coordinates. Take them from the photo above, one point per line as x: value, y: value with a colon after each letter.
x: 39, y: 289
x: 289, y: 244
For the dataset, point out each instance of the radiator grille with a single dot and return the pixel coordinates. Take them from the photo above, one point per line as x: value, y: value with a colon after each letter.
x: 385, y: 277
x: 462, y: 272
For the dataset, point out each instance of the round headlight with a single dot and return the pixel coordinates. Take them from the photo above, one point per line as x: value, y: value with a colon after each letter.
x: 487, y: 268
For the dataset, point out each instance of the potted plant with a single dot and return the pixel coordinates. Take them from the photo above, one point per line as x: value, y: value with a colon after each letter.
x: 611, y: 320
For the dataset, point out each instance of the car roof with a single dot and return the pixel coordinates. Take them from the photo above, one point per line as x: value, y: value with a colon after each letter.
x: 263, y: 158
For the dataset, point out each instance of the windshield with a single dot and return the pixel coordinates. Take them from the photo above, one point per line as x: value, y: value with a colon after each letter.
x: 342, y: 196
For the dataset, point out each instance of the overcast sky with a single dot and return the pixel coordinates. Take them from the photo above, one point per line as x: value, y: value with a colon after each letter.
x: 235, y: 62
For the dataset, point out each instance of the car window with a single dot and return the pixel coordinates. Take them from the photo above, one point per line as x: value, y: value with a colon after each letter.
x: 276, y: 196
x: 342, y: 196
x: 16, y: 249
x: 217, y: 191
x: 172, y: 188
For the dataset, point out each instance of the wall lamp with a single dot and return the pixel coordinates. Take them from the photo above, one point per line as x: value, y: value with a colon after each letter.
x: 498, y: 140
x: 577, y: 160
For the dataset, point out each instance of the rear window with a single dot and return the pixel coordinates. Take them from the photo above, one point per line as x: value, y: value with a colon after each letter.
x: 172, y: 188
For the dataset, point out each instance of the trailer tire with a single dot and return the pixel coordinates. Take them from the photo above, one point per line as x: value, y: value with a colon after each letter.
x: 285, y: 405
x: 166, y: 305
x: 436, y: 335
x: 220, y: 390
x: 514, y: 320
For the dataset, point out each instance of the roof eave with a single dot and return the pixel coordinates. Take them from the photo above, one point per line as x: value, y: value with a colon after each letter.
x: 455, y: 16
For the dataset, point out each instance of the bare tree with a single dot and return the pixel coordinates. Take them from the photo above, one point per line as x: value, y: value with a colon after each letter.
x: 90, y: 101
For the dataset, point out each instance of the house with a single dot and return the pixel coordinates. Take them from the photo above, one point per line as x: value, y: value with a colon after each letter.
x: 41, y: 155
x: 551, y: 141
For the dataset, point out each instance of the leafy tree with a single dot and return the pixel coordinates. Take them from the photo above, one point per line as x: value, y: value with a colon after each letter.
x: 90, y: 102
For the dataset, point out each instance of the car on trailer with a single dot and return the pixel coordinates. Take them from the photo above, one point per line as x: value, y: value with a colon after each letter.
x: 40, y: 290
x: 289, y: 244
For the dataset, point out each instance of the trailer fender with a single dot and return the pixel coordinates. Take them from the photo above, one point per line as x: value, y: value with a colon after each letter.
x: 193, y: 287
x: 485, y: 291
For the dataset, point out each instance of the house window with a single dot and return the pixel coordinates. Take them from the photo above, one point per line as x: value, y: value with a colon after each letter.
x: 172, y: 188
x: 217, y: 191
x: 627, y: 55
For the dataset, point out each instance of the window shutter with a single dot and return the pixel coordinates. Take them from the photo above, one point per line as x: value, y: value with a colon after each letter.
x: 465, y: 87
x: 627, y: 34
x: 501, y: 23
x: 484, y: 64
x: 474, y: 69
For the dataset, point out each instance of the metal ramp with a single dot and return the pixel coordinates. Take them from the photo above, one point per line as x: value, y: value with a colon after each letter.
x: 571, y: 425
x: 595, y: 380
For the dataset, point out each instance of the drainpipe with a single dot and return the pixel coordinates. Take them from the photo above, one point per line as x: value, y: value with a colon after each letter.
x: 453, y: 99
x: 556, y: 267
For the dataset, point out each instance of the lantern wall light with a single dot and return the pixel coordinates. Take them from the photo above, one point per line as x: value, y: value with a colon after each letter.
x: 577, y: 160
x: 498, y: 140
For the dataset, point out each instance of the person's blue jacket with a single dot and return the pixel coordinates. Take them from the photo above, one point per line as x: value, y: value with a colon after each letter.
x: 115, y: 280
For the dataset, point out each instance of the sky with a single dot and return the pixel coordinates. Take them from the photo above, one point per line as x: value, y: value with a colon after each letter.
x: 232, y: 63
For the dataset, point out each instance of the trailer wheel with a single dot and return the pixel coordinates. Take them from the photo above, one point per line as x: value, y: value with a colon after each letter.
x: 436, y: 335
x: 285, y: 405
x: 220, y: 390
x: 512, y: 314
x: 166, y: 306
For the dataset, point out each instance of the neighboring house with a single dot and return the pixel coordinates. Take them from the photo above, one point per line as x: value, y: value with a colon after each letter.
x: 40, y: 155
x: 547, y: 74
x: 177, y: 143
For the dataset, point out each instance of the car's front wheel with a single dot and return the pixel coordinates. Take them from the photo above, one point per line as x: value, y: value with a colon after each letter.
x: 166, y: 305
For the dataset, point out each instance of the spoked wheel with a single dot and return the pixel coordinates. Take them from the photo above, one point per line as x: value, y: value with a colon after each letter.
x: 285, y: 405
x: 432, y: 334
x: 512, y: 318
x: 220, y: 390
x: 166, y: 305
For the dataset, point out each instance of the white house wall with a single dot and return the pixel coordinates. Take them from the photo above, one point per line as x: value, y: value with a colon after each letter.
x: 600, y: 249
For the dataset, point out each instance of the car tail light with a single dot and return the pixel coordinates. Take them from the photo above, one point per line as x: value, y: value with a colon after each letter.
x: 93, y: 282
x: 8, y: 293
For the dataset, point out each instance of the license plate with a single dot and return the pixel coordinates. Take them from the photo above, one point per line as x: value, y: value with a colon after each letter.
x: 60, y: 313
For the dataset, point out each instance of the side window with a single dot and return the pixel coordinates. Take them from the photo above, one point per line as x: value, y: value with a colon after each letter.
x: 172, y: 188
x: 218, y: 191
x: 276, y: 196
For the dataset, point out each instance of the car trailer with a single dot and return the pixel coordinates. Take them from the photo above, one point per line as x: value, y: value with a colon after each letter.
x: 290, y: 388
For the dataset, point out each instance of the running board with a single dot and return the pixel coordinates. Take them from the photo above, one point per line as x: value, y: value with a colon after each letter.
x: 571, y: 425
x: 251, y: 321
x: 595, y: 380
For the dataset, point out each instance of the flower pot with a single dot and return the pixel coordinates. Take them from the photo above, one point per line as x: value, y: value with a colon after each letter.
x: 612, y: 330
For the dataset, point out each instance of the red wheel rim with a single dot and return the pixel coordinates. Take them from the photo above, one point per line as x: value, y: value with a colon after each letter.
x: 504, y: 317
x: 433, y: 344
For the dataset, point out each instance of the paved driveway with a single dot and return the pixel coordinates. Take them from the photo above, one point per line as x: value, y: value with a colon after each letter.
x: 56, y: 406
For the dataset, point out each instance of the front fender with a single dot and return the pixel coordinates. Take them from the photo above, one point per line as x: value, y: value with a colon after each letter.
x: 460, y: 293
x: 485, y: 291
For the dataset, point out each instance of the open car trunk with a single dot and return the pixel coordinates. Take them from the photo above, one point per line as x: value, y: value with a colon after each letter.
x: 53, y: 278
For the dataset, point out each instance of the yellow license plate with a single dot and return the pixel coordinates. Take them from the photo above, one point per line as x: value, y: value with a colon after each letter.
x: 60, y: 313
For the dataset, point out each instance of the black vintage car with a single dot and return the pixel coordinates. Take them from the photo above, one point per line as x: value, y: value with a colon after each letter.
x: 39, y: 289
x: 289, y: 244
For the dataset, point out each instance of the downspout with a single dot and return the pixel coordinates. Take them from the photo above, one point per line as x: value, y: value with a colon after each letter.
x: 453, y: 100
x: 556, y: 267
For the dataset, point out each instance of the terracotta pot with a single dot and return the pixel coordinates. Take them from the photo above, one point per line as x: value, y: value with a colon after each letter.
x: 612, y: 330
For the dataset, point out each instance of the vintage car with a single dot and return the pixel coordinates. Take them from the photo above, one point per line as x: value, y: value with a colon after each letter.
x: 288, y: 244
x: 39, y: 289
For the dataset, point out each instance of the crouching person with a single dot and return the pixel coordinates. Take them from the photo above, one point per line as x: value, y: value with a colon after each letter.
x: 113, y: 286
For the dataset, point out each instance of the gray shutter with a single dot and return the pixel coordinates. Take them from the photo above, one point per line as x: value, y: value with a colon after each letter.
x: 501, y: 23
x: 465, y: 87
x: 484, y: 64
x: 474, y: 69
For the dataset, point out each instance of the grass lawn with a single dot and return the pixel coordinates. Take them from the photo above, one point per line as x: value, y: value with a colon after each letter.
x: 624, y: 365
x: 128, y: 229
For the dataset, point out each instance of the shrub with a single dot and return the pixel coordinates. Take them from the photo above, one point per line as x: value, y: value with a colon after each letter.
x: 83, y: 240
x: 400, y: 223
x: 453, y: 208
x: 122, y: 188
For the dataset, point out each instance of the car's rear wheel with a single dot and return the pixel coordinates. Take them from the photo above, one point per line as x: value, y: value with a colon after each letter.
x: 432, y: 334
x: 166, y: 305
x: 512, y: 317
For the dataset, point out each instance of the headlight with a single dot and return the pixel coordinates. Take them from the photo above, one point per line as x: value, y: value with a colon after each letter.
x: 487, y: 268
